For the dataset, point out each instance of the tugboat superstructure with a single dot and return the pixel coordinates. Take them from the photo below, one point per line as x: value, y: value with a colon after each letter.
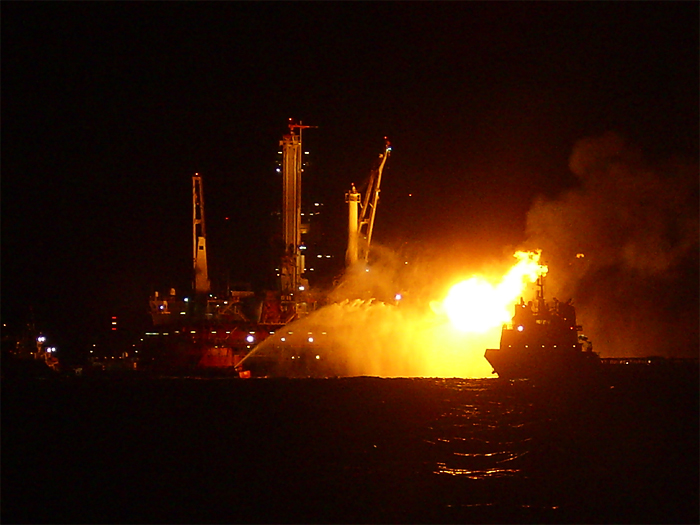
x: 542, y: 342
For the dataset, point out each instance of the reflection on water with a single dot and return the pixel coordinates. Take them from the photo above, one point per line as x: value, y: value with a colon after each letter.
x: 476, y: 474
x: 483, y: 437
x: 361, y: 450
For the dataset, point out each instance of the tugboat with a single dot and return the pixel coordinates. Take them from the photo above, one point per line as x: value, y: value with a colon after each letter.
x: 543, y: 342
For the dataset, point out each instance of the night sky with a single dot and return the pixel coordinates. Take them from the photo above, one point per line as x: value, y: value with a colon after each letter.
x: 494, y: 111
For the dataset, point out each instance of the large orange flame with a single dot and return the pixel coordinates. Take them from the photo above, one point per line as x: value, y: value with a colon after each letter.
x: 477, y: 305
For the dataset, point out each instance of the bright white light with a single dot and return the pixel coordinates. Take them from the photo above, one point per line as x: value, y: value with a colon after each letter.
x: 250, y: 338
x: 397, y: 297
x: 318, y: 357
x: 301, y: 288
x: 187, y: 299
x: 283, y: 339
x: 521, y: 328
x: 311, y: 339
x: 41, y: 339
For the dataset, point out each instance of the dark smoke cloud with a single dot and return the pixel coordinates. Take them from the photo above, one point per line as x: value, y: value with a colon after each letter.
x: 636, y: 224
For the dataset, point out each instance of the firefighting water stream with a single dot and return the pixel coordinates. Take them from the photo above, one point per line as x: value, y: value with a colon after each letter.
x: 363, y: 334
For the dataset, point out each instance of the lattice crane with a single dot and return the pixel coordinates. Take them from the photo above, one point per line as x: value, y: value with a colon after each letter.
x: 362, y: 212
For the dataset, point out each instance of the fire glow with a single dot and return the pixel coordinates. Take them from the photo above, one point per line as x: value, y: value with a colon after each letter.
x: 367, y: 337
x: 478, y: 305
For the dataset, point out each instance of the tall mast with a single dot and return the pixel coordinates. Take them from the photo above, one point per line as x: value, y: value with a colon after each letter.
x: 292, y: 261
x: 199, y: 242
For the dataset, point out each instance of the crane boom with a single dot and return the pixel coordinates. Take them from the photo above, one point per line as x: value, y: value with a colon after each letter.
x: 199, y: 241
x: 361, y: 224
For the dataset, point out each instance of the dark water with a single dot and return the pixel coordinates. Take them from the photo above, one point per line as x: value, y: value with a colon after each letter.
x: 356, y: 450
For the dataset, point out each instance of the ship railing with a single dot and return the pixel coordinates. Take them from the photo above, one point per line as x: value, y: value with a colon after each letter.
x: 650, y: 361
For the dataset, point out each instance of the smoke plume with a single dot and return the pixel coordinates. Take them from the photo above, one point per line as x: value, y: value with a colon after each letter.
x: 624, y: 245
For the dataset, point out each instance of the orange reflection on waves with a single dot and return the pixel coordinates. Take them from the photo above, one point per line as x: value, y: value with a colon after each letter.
x: 476, y: 474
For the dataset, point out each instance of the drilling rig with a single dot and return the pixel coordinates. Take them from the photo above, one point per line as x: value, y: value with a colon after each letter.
x: 208, y: 331
x: 298, y: 352
x: 292, y: 268
x: 293, y: 298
